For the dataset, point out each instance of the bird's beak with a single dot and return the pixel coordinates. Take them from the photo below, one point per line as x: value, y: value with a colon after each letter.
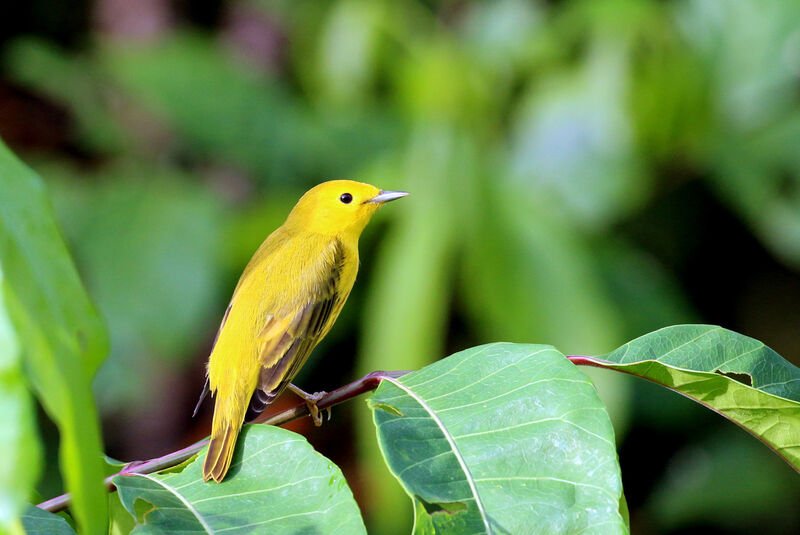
x: 386, y: 196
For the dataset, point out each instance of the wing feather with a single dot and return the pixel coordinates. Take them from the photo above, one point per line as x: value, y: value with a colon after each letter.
x: 290, y: 341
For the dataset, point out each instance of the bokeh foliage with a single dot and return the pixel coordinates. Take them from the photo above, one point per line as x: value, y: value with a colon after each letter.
x: 543, y: 143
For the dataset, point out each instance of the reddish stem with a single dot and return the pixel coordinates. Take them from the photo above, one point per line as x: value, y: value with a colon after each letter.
x: 366, y: 384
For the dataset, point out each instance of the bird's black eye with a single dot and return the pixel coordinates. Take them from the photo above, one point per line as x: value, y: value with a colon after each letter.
x: 346, y: 198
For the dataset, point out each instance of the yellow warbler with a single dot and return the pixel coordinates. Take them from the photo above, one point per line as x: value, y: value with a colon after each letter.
x: 286, y: 301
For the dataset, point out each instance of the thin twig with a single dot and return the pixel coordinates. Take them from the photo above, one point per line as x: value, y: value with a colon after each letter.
x: 366, y: 384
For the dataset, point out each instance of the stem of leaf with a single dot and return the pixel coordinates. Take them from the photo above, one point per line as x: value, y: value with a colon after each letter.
x: 366, y: 384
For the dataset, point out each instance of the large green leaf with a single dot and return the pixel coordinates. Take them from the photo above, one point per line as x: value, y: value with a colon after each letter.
x: 277, y: 484
x: 20, y: 462
x: 39, y: 522
x: 502, y: 439
x: 732, y: 374
x: 148, y: 243
x: 60, y: 334
x: 406, y: 307
x: 120, y: 522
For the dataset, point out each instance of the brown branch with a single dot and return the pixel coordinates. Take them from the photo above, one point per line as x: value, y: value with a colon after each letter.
x: 366, y: 384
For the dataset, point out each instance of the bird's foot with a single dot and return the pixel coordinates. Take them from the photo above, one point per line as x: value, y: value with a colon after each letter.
x: 311, y: 402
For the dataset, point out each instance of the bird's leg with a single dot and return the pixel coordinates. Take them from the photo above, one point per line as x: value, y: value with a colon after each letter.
x: 311, y: 402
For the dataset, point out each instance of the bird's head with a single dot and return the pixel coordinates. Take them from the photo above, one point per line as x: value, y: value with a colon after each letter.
x: 339, y: 207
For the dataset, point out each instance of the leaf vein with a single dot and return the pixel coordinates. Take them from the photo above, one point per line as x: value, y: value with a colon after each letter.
x: 456, y: 451
x: 180, y: 497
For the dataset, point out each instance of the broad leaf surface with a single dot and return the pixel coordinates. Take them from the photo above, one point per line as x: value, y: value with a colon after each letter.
x: 502, y: 439
x: 21, y: 458
x: 277, y: 484
x: 39, y: 522
x: 136, y: 231
x: 120, y: 522
x: 410, y: 293
x: 60, y: 335
x: 732, y: 374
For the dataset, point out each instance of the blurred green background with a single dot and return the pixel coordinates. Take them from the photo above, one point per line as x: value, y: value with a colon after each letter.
x: 581, y: 173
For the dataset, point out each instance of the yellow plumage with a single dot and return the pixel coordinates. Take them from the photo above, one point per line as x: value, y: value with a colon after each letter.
x: 286, y: 301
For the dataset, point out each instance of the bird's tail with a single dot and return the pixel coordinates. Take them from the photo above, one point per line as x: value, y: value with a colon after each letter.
x: 220, y: 449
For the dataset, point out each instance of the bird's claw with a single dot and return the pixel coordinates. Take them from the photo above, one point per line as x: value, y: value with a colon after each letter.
x: 316, y: 415
x: 311, y: 402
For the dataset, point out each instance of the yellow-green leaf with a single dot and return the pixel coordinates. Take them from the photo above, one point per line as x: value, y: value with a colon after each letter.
x: 61, y: 337
x: 731, y: 374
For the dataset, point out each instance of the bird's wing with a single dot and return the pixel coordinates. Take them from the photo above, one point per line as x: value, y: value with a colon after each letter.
x: 288, y: 341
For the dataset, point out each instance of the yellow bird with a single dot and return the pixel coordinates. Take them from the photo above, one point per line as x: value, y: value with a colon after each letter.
x: 286, y: 301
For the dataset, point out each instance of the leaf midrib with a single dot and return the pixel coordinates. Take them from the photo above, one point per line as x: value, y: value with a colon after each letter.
x: 451, y: 440
x: 183, y: 500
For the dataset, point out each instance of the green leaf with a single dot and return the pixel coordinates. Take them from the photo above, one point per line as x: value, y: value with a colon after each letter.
x: 277, y: 484
x: 148, y: 243
x: 119, y: 521
x: 498, y: 439
x: 732, y: 374
x: 407, y: 302
x: 39, y: 522
x: 21, y: 458
x: 60, y: 334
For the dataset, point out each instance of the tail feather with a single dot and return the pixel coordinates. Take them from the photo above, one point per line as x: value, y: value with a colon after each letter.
x: 220, y: 453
